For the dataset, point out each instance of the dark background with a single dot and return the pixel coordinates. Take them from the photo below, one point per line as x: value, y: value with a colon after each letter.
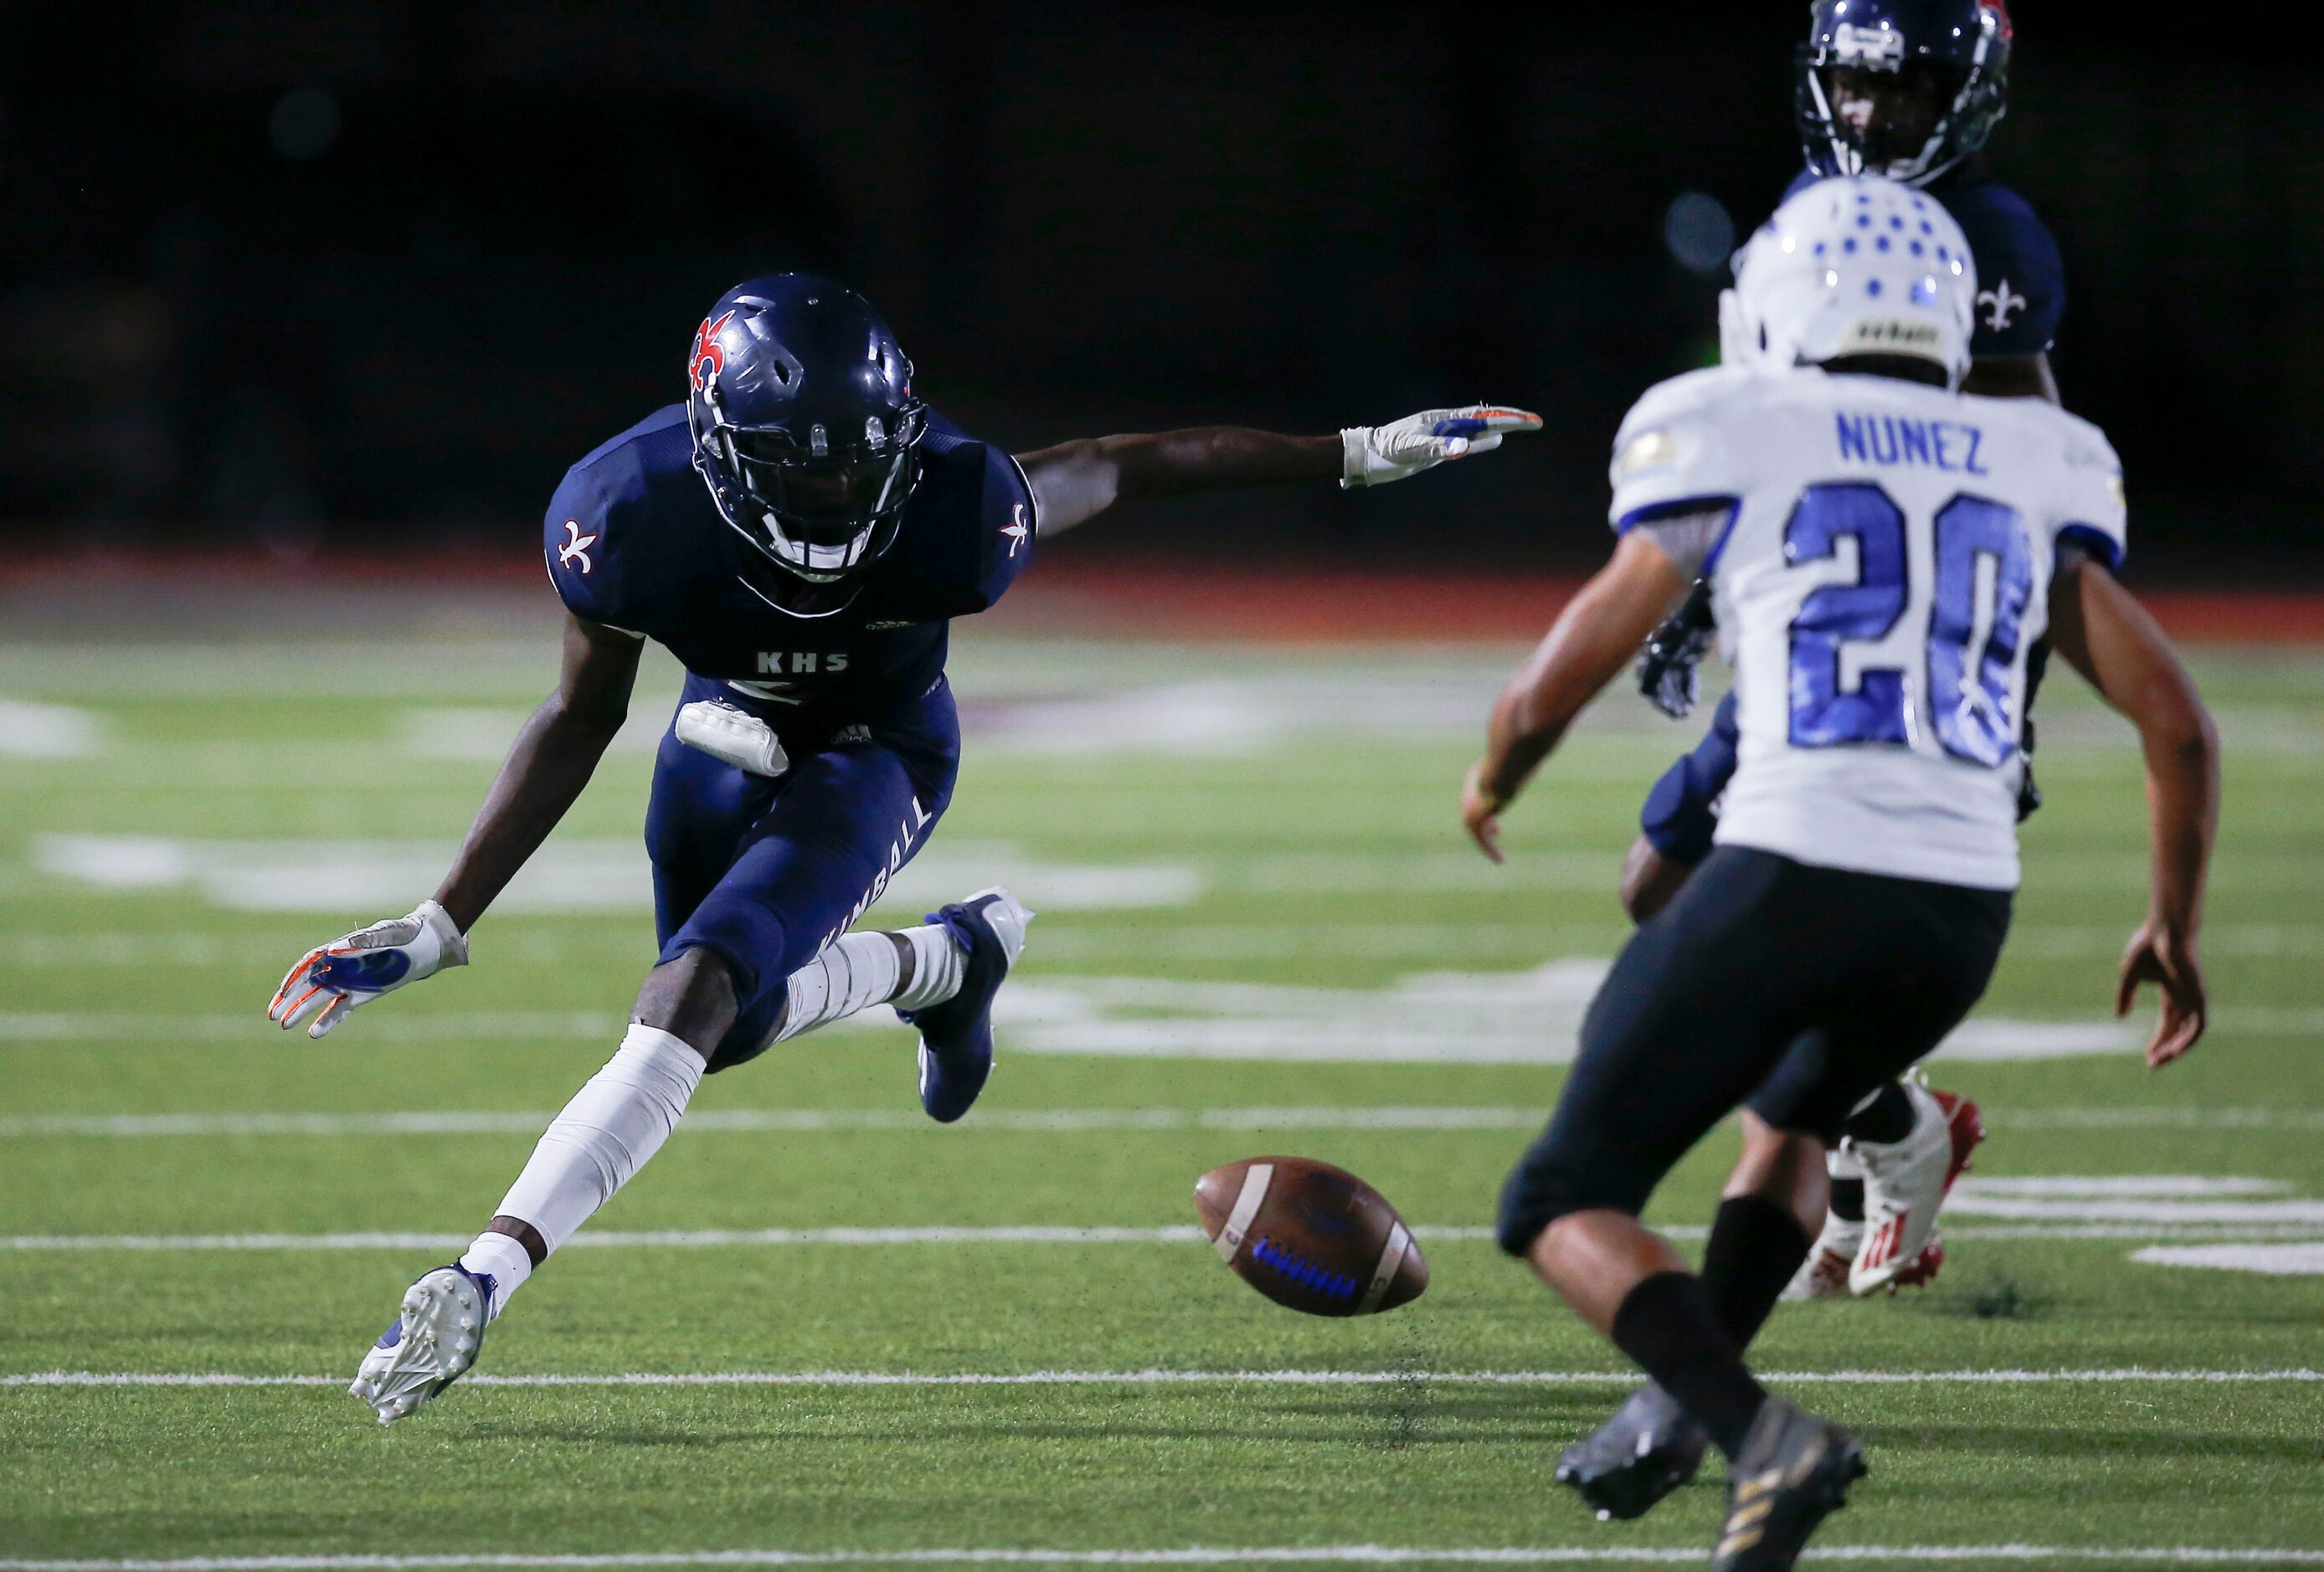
x: 323, y: 278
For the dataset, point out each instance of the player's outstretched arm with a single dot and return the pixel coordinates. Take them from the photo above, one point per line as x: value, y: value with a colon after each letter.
x: 1075, y: 481
x: 2108, y: 636
x: 555, y: 754
x: 1587, y: 647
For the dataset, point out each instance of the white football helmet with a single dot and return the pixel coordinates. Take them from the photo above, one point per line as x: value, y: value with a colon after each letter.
x: 1856, y: 265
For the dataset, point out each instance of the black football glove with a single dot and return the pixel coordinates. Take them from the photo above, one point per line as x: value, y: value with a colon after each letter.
x: 1666, y: 665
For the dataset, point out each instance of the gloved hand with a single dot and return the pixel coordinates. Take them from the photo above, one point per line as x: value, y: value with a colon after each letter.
x: 1376, y: 454
x: 357, y: 968
x: 1667, y: 672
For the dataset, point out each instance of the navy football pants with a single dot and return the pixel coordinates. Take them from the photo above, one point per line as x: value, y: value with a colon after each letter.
x: 765, y: 873
x: 1808, y: 987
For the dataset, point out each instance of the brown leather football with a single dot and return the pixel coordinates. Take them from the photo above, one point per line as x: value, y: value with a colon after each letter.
x: 1310, y: 1236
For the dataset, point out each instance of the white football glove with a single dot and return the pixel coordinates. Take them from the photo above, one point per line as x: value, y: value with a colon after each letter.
x: 357, y: 968
x: 1376, y: 454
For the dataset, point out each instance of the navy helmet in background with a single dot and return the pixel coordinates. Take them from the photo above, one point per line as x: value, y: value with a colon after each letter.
x: 1905, y: 88
x: 805, y: 424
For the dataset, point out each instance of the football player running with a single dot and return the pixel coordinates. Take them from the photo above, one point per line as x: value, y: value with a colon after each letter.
x: 799, y: 533
x: 1883, y: 554
x: 1910, y: 89
x: 1907, y: 88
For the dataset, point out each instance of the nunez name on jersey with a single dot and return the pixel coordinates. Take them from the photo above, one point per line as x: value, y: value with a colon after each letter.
x: 634, y: 541
x: 1880, y: 554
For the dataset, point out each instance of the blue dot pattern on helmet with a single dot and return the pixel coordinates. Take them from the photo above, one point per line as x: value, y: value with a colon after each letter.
x: 1872, y: 287
x: 1924, y: 292
x: 1302, y: 1271
x: 1848, y: 245
x: 1881, y: 244
x: 1917, y: 248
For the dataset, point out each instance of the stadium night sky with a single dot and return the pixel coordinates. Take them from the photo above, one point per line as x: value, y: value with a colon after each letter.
x: 400, y: 264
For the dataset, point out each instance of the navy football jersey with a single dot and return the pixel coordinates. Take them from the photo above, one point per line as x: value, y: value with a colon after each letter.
x: 2021, y: 279
x: 634, y: 541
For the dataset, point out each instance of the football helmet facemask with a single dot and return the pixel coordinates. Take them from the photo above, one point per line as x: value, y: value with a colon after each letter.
x: 1904, y: 88
x: 806, y: 427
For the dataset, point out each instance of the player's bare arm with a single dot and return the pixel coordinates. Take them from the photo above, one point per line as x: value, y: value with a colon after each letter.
x: 1076, y: 481
x: 2107, y: 637
x: 553, y: 757
x: 1591, y: 643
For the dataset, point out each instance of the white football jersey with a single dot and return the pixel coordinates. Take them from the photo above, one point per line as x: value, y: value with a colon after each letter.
x: 1880, y: 554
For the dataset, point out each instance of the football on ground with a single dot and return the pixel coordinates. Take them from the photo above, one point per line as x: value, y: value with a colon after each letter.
x: 1310, y: 1236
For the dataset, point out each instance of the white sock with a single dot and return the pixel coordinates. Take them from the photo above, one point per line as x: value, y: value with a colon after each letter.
x: 857, y: 971
x: 504, y: 1261
x: 937, y: 963
x: 604, y: 1136
x: 861, y: 971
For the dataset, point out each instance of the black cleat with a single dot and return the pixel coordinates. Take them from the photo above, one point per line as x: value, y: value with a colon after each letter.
x: 1649, y: 1449
x: 1793, y: 1472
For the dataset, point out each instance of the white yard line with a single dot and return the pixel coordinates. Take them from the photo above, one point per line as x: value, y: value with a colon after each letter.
x: 697, y: 1239
x: 167, y: 1031
x: 30, y: 730
x: 2272, y: 1260
x: 1386, y: 1117
x: 2203, y: 1230
x: 2155, y: 1118
x: 2132, y: 1375
x: 531, y: 1122
x: 1206, y: 1555
x: 1455, y: 1019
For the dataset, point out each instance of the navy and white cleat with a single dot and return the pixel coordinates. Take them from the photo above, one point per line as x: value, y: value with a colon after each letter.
x: 956, y: 1035
x: 434, y: 1339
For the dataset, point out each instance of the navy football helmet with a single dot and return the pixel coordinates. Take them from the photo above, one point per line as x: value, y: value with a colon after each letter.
x: 804, y: 425
x: 1905, y: 88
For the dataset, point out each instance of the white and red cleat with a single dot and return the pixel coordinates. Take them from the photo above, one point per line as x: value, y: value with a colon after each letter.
x: 1824, y: 1273
x: 1905, y: 1185
x: 1967, y: 1130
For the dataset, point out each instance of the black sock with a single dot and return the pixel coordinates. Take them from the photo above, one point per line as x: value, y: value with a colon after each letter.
x: 1755, y: 1246
x: 1668, y: 1326
x: 1847, y: 1199
x: 1888, y: 1117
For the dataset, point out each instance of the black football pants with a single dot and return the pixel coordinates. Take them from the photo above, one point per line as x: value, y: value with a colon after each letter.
x: 1800, y: 989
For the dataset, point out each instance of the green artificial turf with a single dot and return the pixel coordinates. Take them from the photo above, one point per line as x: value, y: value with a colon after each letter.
x: 1325, y: 858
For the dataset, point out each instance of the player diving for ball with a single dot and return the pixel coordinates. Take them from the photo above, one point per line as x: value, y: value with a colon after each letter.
x: 1883, y: 553
x: 799, y: 533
